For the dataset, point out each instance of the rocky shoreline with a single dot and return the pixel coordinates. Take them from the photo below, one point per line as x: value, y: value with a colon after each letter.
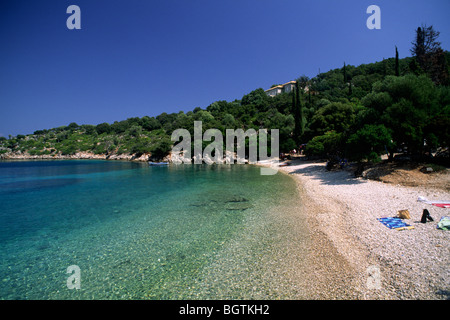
x: 78, y: 156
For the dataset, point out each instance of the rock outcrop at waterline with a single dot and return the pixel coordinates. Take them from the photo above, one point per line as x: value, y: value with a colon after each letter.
x: 79, y: 155
x: 144, y: 157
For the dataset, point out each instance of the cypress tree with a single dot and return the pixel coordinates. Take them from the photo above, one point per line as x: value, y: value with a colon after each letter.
x: 297, y: 96
x: 293, y: 102
x: 309, y: 96
x: 345, y: 74
x: 298, y: 113
x: 397, y: 70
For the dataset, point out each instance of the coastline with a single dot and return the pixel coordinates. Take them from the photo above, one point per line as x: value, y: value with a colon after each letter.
x: 350, y: 244
x: 77, y: 156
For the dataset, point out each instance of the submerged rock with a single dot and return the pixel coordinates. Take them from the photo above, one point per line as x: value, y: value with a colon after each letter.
x: 237, y: 199
x: 238, y: 206
x: 235, y: 202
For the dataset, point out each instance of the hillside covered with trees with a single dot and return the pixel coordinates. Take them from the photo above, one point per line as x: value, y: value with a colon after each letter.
x: 353, y: 112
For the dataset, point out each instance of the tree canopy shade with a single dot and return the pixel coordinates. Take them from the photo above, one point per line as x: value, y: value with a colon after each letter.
x: 368, y: 142
x: 328, y: 145
x: 415, y: 101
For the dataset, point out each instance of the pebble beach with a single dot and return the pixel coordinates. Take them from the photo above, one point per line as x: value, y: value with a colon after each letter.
x: 355, y: 256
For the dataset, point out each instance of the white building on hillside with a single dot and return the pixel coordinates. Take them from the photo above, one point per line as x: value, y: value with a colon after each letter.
x: 276, y: 90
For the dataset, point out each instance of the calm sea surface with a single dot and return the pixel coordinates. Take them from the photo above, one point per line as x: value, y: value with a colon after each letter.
x: 140, y: 232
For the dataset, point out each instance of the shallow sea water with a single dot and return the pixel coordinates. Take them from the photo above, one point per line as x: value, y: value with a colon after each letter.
x: 140, y: 232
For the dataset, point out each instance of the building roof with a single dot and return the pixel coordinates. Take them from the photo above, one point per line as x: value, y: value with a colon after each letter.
x: 276, y: 87
x: 280, y: 86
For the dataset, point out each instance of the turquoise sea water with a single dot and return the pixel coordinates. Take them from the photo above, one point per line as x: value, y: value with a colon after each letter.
x: 140, y: 232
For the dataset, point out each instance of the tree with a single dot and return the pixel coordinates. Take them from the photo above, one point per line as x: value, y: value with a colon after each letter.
x: 397, y: 70
x: 73, y: 126
x: 135, y: 130
x: 345, y: 74
x: 303, y: 82
x: 228, y: 121
x: 61, y: 136
x: 103, y: 128
x: 328, y: 145
x: 335, y: 116
x: 439, y: 70
x: 297, y: 110
x: 162, y: 148
x: 406, y: 105
x: 150, y: 123
x: 429, y: 55
x: 119, y: 126
x: 368, y: 142
x: 426, y: 43
x: 258, y: 98
x: 89, y: 129
x: 437, y: 131
x: 407, y: 123
x: 286, y: 124
x: 377, y: 101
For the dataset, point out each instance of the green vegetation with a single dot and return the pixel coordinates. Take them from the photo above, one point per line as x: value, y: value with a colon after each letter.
x: 352, y: 112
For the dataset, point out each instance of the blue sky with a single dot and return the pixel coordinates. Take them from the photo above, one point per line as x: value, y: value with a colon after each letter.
x: 134, y: 58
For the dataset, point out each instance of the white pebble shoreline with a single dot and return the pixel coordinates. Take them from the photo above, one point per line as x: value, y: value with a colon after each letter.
x: 413, y: 264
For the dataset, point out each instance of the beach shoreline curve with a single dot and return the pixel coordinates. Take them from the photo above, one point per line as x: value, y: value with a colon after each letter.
x: 349, y: 243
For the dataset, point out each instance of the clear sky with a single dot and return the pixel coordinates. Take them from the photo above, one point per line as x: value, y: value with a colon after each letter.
x: 133, y: 57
